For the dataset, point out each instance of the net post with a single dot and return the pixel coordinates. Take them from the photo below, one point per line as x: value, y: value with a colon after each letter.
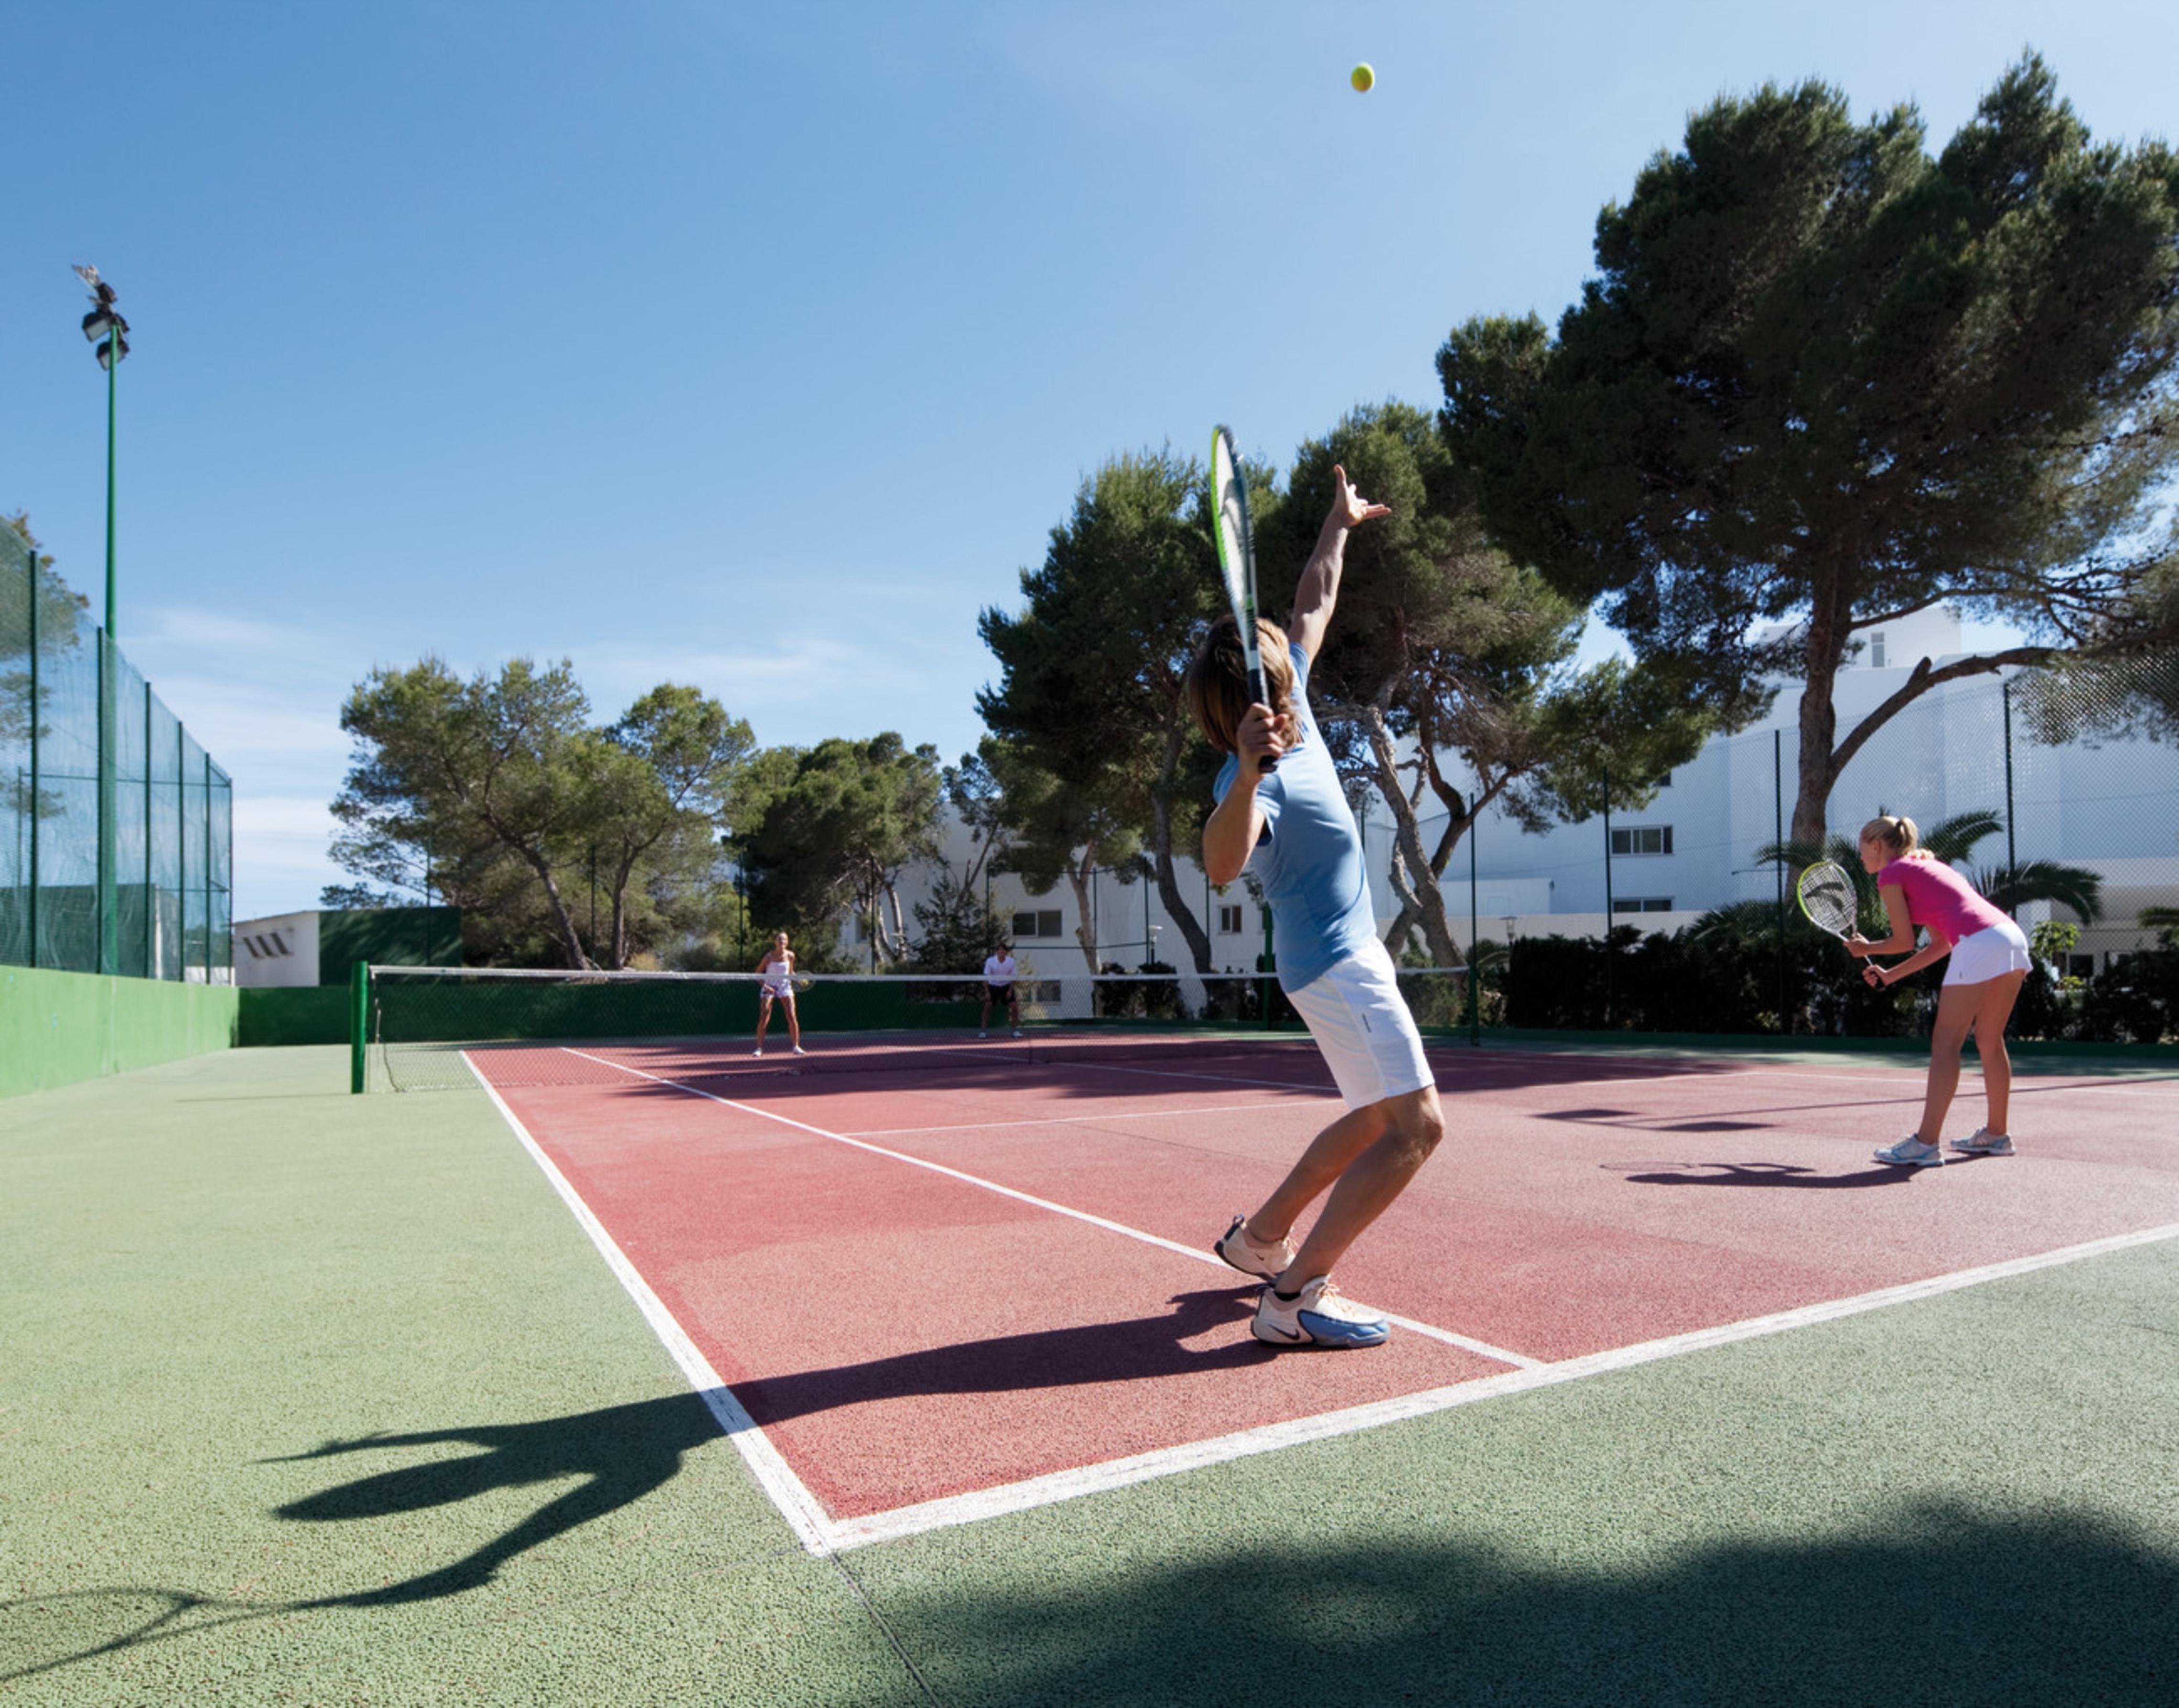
x: 358, y: 1025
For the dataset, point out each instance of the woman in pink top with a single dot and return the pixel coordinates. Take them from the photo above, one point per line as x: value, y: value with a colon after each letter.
x: 1989, y: 961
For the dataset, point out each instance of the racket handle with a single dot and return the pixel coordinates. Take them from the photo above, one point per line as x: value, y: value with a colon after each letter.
x: 1257, y: 696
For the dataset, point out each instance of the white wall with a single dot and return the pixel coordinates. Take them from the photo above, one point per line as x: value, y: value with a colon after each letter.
x: 279, y: 950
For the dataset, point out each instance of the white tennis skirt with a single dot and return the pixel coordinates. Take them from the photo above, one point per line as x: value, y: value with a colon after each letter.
x: 1988, y: 953
x: 1359, y: 1019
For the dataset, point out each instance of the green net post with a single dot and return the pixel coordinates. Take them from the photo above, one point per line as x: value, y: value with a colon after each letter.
x: 359, y: 1025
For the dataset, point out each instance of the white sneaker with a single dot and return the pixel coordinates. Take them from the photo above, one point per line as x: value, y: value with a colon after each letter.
x: 1982, y: 1142
x: 1320, y: 1314
x: 799, y: 1051
x: 756, y: 1052
x: 1910, y: 1152
x: 1265, y: 1260
x: 983, y: 1035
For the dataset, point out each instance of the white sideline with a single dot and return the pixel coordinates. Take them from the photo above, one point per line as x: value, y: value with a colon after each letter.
x: 805, y: 1514
x: 820, y: 1534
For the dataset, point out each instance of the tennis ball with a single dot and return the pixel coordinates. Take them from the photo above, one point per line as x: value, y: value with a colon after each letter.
x: 1362, y: 77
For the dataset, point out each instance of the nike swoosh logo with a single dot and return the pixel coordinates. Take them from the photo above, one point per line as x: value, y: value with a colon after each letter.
x: 1296, y: 1336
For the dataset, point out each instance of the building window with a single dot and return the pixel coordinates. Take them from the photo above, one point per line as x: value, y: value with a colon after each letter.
x: 1643, y: 839
x: 1876, y: 649
x: 1043, y: 923
x: 1229, y: 919
x: 1641, y: 904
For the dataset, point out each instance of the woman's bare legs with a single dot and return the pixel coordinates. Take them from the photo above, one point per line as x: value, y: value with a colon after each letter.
x: 1982, y: 1009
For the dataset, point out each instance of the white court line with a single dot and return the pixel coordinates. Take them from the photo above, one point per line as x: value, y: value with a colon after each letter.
x: 820, y: 1534
x: 961, y: 1509
x: 1496, y: 1353
x: 804, y: 1513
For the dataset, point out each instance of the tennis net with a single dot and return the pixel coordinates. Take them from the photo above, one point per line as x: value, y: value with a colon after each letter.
x: 421, y: 1024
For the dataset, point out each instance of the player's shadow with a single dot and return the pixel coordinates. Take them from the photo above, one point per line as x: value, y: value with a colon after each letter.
x: 1132, y: 1349
x: 622, y: 1452
x: 1790, y: 1175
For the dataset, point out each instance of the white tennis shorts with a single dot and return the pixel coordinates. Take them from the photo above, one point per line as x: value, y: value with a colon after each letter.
x: 1988, y: 953
x: 1359, y: 1019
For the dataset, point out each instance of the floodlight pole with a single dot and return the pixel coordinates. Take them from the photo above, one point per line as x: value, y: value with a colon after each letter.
x: 110, y: 355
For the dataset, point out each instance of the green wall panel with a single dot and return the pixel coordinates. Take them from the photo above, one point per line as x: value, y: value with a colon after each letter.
x: 57, y: 1028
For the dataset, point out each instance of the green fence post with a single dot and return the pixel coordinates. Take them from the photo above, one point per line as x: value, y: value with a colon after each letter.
x: 1474, y: 971
x: 358, y: 1025
x: 35, y: 779
x: 150, y: 911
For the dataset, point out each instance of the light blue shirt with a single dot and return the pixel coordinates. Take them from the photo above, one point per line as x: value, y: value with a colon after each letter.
x: 1309, y: 857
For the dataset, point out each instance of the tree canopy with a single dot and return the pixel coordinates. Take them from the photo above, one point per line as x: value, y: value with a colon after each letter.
x: 1442, y: 646
x: 500, y: 794
x: 822, y: 834
x: 1823, y: 380
x: 1098, y: 738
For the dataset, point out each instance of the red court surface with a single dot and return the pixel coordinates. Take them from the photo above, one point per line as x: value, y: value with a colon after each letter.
x: 939, y: 1281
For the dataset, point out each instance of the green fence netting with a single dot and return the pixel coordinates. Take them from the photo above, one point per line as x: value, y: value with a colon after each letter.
x: 171, y: 808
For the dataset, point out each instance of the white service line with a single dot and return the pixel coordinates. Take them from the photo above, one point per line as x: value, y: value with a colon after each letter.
x: 1497, y: 1354
x: 804, y: 1513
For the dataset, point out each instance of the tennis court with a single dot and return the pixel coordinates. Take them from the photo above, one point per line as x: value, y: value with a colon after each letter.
x: 931, y: 1281
x: 323, y: 1398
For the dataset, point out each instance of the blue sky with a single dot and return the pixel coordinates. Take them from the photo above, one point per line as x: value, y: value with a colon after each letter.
x: 760, y: 347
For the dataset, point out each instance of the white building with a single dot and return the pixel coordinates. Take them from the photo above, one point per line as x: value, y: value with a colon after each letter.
x: 2112, y: 808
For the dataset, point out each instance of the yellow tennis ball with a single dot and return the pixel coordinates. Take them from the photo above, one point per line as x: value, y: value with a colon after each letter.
x: 1362, y: 77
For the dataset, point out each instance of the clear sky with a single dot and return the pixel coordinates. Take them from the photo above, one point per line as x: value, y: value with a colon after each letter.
x: 761, y: 347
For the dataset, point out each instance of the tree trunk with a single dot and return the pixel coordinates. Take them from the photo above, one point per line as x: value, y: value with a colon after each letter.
x: 1196, y: 932
x: 1080, y: 876
x: 1830, y: 617
x: 1424, y: 896
x: 571, y: 940
x: 618, y: 955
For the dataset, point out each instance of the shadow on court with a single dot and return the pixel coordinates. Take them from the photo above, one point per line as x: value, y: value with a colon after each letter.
x: 1945, y: 1605
x: 1132, y: 1349
x: 624, y: 1452
x: 1773, y: 1174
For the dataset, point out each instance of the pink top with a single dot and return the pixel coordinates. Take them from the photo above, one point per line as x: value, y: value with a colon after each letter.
x: 1940, y: 898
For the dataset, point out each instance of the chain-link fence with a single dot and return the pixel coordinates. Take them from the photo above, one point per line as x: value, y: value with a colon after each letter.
x: 131, y: 876
x: 2056, y: 791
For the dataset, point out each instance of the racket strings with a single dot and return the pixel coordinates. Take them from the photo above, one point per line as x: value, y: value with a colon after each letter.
x: 1827, y: 897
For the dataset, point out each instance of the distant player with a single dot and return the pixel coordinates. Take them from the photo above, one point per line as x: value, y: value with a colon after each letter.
x: 1296, y: 825
x: 1990, y: 963
x: 999, y: 971
x: 777, y: 969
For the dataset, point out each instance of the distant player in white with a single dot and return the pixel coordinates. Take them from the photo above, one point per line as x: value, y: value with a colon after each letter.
x: 777, y: 969
x: 999, y: 971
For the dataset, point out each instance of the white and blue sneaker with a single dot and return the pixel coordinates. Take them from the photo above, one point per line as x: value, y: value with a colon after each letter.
x: 1264, y: 1259
x: 1982, y: 1142
x: 1910, y: 1152
x: 1320, y: 1314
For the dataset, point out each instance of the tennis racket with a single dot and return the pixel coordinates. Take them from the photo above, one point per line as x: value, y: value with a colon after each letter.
x: 1237, y: 559
x: 1827, y: 896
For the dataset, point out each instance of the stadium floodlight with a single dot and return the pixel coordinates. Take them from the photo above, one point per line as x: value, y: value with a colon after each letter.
x: 102, y: 326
